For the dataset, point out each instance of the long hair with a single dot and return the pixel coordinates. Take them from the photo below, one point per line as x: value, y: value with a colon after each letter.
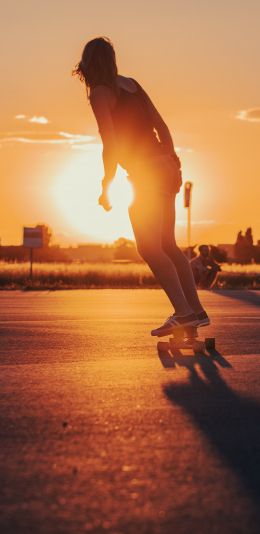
x: 98, y: 64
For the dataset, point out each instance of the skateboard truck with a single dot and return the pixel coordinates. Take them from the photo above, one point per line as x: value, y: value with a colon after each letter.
x: 187, y: 338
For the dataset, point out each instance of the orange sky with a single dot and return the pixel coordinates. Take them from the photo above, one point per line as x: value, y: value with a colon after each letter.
x: 199, y: 63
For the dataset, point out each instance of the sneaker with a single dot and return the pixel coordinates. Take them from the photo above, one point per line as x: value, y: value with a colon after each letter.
x: 203, y: 319
x: 175, y: 321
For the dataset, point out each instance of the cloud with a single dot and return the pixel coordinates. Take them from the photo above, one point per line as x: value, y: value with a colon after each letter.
x: 181, y: 149
x: 74, y: 140
x: 77, y: 137
x: 250, y: 115
x: 55, y: 138
x: 35, y: 118
x: 39, y: 120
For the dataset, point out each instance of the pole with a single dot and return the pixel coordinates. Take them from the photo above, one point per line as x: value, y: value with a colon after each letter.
x: 187, y: 204
x: 31, y: 263
x: 189, y: 231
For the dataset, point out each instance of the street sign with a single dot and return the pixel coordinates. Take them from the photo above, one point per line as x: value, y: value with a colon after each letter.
x: 32, y: 237
x: 187, y: 194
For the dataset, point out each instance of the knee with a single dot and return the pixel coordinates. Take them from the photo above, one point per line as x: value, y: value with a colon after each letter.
x: 149, y: 252
x: 171, y: 249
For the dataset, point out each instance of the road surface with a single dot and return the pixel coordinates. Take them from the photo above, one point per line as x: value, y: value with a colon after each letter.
x: 98, y: 436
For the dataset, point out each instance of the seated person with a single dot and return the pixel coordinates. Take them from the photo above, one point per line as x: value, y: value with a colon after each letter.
x: 205, y: 269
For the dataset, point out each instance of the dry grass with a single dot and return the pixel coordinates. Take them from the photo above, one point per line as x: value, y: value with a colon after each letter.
x: 75, y: 275
x: 104, y: 275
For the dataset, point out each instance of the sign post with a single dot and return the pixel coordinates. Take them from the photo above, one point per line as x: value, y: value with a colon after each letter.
x: 187, y: 204
x: 32, y: 238
x: 31, y: 263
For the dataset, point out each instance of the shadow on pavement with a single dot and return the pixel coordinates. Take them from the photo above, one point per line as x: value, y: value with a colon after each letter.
x: 251, y: 297
x: 169, y: 360
x: 230, y: 422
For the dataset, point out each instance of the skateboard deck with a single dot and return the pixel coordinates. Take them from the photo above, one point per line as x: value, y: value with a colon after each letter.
x: 187, y: 338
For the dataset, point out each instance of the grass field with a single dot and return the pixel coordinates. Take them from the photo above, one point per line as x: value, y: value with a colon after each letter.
x: 108, y: 275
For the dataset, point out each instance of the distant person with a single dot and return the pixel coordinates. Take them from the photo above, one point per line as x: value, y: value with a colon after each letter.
x: 127, y: 120
x: 205, y: 269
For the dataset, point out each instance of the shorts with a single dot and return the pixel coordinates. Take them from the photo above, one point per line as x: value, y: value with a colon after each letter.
x: 159, y: 174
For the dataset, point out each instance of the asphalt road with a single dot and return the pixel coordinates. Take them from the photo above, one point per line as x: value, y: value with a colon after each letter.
x: 97, y: 435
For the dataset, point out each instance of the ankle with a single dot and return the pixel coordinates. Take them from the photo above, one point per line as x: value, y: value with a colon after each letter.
x: 198, y: 310
x: 186, y: 314
x: 202, y: 314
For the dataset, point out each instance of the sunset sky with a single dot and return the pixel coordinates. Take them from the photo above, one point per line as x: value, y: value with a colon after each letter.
x: 199, y: 63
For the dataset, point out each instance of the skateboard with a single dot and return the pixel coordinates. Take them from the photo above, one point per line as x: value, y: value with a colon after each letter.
x: 187, y: 338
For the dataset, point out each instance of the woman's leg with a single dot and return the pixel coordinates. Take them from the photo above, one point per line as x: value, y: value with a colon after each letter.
x: 147, y: 216
x: 179, y: 259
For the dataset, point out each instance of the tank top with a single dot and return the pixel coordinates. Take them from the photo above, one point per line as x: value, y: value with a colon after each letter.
x: 136, y: 138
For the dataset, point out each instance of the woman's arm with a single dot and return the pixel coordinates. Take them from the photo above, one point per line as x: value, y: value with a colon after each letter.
x: 100, y: 100
x: 160, y: 126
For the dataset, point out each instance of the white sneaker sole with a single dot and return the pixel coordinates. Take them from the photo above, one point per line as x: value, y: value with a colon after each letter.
x: 167, y: 331
x: 203, y: 323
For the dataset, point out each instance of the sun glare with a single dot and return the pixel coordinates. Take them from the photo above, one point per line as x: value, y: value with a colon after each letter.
x: 76, y: 190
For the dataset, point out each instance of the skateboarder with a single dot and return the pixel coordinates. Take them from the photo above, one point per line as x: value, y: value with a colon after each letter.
x: 134, y: 135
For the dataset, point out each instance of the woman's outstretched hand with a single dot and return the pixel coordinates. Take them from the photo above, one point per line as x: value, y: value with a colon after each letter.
x: 104, y: 201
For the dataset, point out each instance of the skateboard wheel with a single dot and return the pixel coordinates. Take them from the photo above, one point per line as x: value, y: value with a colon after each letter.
x: 210, y: 343
x: 198, y: 346
x: 190, y: 332
x: 176, y: 343
x: 162, y: 346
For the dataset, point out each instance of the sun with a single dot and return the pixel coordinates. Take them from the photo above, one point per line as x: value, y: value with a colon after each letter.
x: 75, y: 192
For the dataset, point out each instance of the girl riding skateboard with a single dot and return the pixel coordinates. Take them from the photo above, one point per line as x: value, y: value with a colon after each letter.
x: 135, y: 136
